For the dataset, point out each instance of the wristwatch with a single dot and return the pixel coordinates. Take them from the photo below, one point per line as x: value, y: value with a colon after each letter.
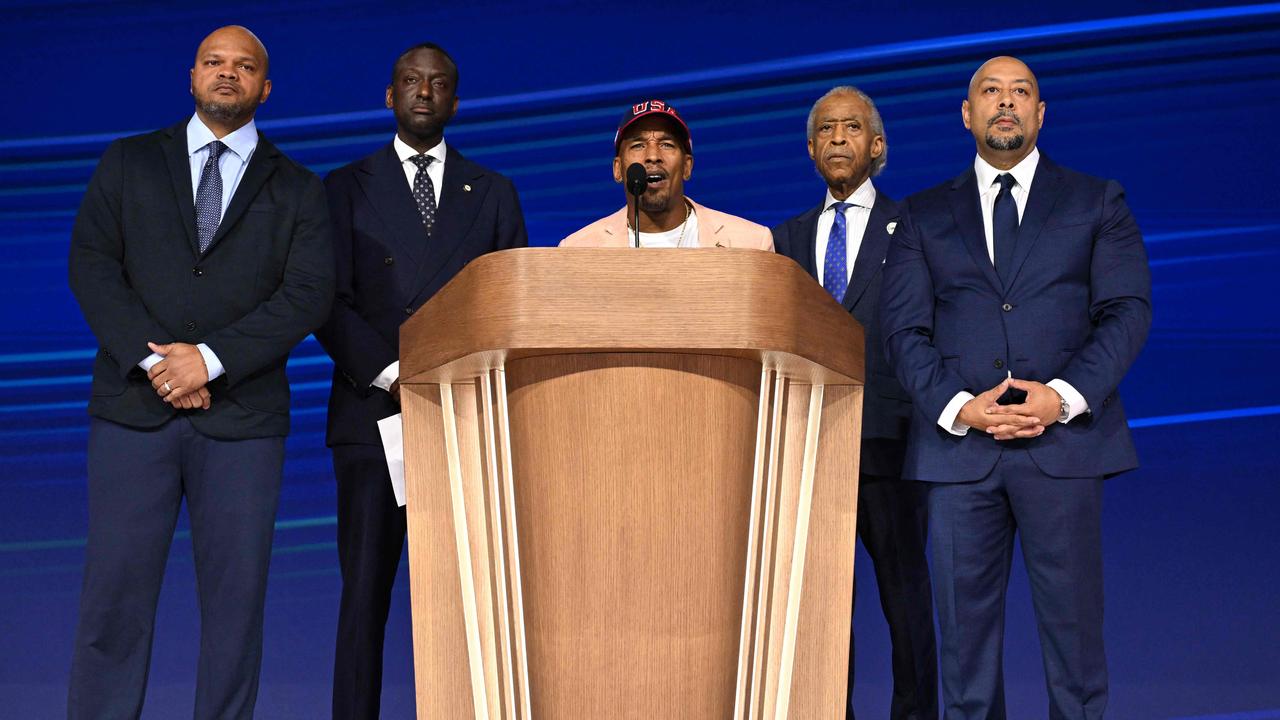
x: 1064, y: 409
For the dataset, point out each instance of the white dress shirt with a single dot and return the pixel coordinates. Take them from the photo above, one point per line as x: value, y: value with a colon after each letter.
x: 231, y: 165
x: 855, y: 217
x: 435, y: 171
x: 1024, y: 174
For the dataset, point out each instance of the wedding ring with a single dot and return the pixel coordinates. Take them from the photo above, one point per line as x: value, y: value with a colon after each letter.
x: 167, y: 389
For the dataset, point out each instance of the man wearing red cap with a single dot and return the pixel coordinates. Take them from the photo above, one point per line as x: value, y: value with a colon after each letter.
x: 653, y: 135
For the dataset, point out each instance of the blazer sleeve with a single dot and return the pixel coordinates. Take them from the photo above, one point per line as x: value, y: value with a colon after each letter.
x: 1119, y: 303
x: 357, y: 348
x: 115, y: 313
x: 511, y: 230
x: 299, y: 305
x: 906, y: 320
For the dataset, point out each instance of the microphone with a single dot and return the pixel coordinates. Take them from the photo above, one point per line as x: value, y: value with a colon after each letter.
x: 637, y: 183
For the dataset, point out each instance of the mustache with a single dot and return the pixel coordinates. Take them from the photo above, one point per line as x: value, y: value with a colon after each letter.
x: 1004, y: 114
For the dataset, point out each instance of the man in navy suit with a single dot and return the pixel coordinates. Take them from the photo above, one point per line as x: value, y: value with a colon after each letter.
x: 200, y: 257
x: 406, y: 219
x: 1015, y: 298
x: 848, y: 236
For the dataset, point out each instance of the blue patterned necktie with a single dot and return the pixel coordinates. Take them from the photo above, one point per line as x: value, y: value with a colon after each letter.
x: 209, y: 196
x: 1004, y: 227
x: 424, y: 192
x: 835, y: 276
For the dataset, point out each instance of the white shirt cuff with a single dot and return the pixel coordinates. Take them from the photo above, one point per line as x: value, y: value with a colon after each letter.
x: 149, y: 361
x: 211, y: 361
x: 948, y: 419
x: 389, y: 374
x: 1076, y: 404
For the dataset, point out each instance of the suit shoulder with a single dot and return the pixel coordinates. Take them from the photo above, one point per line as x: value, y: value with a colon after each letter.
x: 929, y: 196
x: 588, y: 236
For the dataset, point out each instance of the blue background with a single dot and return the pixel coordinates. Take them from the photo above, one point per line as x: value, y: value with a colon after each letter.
x: 1179, y: 106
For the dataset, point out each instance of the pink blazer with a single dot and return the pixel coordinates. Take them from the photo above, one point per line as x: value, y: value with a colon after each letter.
x: 715, y: 229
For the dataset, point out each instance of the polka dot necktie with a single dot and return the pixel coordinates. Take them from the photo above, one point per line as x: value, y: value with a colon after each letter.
x: 1004, y: 226
x: 424, y: 192
x: 835, y: 276
x: 209, y: 196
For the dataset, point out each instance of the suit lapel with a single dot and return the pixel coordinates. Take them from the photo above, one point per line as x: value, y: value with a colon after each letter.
x: 1046, y: 186
x: 261, y: 165
x: 872, y: 250
x: 968, y: 215
x: 387, y: 192
x: 805, y: 231
x: 179, y: 164
x: 465, y: 185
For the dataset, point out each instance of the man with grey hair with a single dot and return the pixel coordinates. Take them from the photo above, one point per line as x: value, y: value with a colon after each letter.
x: 847, y: 238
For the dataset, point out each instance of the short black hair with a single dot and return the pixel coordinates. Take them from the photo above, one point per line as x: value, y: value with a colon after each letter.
x: 427, y: 46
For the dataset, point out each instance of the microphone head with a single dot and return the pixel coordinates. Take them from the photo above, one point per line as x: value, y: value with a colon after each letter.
x: 637, y: 179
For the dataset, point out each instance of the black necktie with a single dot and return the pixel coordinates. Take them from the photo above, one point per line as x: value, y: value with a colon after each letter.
x: 424, y: 192
x: 1004, y: 226
x: 209, y: 197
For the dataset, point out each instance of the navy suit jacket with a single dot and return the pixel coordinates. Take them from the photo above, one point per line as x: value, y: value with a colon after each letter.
x: 387, y: 269
x: 1077, y: 307
x: 886, y: 408
x: 262, y: 285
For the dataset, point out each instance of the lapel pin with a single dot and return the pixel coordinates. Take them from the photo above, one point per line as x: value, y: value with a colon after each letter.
x: 891, y: 227
x: 719, y: 245
x: 466, y: 188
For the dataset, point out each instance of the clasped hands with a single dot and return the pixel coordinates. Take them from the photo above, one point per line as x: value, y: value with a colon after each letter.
x: 180, y: 378
x: 1027, y: 419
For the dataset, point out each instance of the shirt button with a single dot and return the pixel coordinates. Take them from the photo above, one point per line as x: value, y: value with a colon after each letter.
x: 1006, y: 307
x: 191, y: 325
x: 999, y: 364
x: 388, y: 260
x: 197, y: 272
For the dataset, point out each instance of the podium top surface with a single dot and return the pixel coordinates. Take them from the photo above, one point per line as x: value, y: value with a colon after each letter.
x: 713, y: 301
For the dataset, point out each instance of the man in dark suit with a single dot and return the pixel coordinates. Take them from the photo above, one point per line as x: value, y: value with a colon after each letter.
x: 1016, y: 296
x: 406, y: 219
x: 848, y: 236
x: 201, y: 255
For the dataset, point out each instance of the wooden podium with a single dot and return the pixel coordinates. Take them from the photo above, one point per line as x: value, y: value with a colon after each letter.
x: 631, y: 484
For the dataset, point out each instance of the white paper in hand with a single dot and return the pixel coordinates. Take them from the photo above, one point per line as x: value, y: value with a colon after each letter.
x: 393, y: 445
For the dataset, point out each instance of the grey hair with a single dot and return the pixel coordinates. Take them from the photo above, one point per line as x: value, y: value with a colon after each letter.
x: 877, y: 125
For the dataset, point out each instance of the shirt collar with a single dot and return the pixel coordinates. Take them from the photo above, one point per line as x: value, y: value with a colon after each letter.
x: 864, y: 197
x: 404, y: 152
x: 242, y: 142
x: 1023, y: 172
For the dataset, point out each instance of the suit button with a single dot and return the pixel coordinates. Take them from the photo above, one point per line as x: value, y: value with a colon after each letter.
x: 999, y: 364
x: 191, y: 325
x: 1006, y: 307
x: 408, y: 311
x: 197, y: 272
x: 388, y: 260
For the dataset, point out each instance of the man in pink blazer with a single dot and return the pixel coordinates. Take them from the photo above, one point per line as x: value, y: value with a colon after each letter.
x: 652, y: 134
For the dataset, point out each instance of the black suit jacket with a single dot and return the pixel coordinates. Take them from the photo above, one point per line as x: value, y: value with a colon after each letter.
x: 262, y: 285
x: 387, y: 268
x: 886, y: 410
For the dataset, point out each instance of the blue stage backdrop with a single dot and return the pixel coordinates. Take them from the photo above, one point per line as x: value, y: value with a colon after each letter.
x: 1179, y: 105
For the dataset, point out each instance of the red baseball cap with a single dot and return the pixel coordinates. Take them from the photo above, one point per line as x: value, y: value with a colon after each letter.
x: 651, y: 107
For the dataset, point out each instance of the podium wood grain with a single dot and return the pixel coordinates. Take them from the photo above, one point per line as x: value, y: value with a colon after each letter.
x: 631, y: 487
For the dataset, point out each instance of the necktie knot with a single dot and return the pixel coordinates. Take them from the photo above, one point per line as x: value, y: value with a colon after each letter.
x: 422, y: 161
x: 840, y: 207
x: 216, y: 148
x: 1006, y: 181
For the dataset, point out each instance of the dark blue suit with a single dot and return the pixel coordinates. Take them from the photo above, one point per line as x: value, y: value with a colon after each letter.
x: 892, y: 519
x: 386, y: 269
x: 1077, y: 307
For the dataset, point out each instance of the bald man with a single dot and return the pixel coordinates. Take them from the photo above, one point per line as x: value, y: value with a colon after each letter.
x: 200, y: 257
x: 1015, y: 298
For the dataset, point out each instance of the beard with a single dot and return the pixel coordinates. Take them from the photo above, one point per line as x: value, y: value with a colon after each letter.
x: 655, y: 202
x: 224, y: 111
x: 1004, y: 142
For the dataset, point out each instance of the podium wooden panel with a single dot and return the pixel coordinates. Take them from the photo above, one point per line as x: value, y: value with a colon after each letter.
x: 631, y: 485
